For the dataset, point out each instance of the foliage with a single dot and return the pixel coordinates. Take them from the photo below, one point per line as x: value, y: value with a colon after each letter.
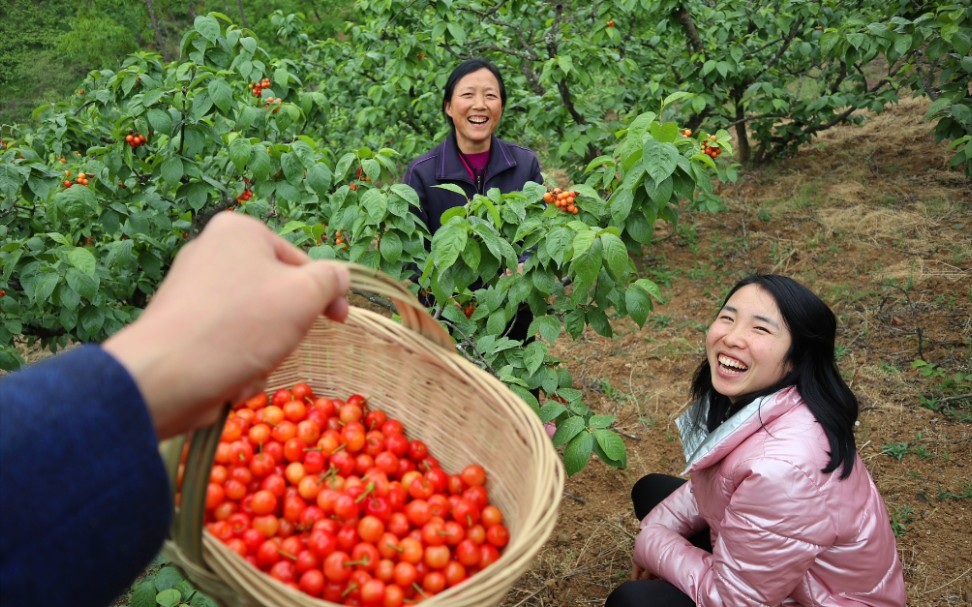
x: 949, y: 393
x: 92, y: 217
x: 165, y: 586
x: 43, y: 55
x: 774, y: 73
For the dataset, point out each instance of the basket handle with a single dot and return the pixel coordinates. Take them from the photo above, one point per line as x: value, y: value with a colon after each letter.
x: 414, y: 315
x: 186, y: 531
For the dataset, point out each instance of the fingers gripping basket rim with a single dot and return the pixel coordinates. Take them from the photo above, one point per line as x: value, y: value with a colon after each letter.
x: 413, y: 372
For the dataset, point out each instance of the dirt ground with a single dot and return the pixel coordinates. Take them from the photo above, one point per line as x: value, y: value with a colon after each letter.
x: 872, y: 219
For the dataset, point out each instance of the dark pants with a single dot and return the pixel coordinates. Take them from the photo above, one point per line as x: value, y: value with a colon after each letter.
x: 647, y: 493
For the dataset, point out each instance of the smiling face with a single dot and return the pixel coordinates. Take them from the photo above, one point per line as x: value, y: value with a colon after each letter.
x: 475, y: 109
x: 747, y: 343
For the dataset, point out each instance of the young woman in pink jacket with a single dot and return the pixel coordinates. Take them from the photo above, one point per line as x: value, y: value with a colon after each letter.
x: 779, y: 509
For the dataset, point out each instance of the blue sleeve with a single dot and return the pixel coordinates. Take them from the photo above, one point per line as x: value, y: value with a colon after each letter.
x: 84, y: 497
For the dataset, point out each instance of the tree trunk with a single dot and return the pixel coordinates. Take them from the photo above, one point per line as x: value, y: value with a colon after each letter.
x: 742, y: 135
x: 159, y: 38
x: 239, y: 3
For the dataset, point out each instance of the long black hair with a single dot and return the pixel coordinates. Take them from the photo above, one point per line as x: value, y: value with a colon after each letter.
x: 813, y: 364
x: 463, y: 69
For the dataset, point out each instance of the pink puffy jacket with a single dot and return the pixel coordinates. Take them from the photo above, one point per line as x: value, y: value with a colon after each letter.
x: 783, y: 532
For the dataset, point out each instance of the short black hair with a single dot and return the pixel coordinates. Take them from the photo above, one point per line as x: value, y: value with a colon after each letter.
x: 812, y: 358
x: 465, y: 68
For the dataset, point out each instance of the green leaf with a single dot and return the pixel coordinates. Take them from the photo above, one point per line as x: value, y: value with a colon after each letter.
x: 143, y: 595
x: 578, y: 453
x: 574, y: 322
x: 41, y: 286
x: 76, y: 202
x: 261, y: 163
x: 533, y: 356
x: 558, y: 244
x: 207, y: 26
x: 319, y: 178
x: 599, y: 321
x: 200, y: 600
x: 902, y: 43
x: 620, y: 204
x: 406, y: 192
x: 611, y: 446
x: 567, y: 430
x: 197, y: 193
x: 160, y: 121
x: 660, y: 193
x: 597, y: 422
x: 69, y: 297
x: 676, y: 96
x: 390, y: 247
x: 650, y: 288
x: 92, y: 320
x: 372, y: 169
x: 547, y: 326
x: 172, y: 170
x: 637, y: 304
x: 86, y: 286
x: 582, y: 242
x: 587, y: 265
x: 962, y: 113
x: 292, y: 167
x: 501, y: 249
x: 551, y: 410
x: 457, y: 32
x: 660, y: 159
x: 447, y: 243
x: 167, y: 577
x: 83, y: 259
x: 453, y: 188
x: 615, y: 254
x: 375, y: 204
x: 239, y: 153
x: 169, y: 598
x: 60, y: 239
x: 344, y: 165
x: 221, y: 94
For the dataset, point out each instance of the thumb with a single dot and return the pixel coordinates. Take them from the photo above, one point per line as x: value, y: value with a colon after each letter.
x: 332, y: 281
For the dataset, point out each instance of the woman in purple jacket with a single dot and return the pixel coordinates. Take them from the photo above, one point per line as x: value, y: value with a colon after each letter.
x: 472, y: 157
x: 779, y: 509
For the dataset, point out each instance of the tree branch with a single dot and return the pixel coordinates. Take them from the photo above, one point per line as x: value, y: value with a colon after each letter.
x: 684, y: 18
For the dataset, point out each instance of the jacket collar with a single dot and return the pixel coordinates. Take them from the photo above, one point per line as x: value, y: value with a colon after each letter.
x: 450, y: 167
x: 703, y: 450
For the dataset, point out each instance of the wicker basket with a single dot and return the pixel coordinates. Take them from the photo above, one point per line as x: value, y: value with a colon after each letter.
x: 413, y: 372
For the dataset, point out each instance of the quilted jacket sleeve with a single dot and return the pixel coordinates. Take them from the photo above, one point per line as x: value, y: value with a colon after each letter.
x: 761, y: 552
x: 413, y: 178
x: 85, y: 501
x: 665, y: 529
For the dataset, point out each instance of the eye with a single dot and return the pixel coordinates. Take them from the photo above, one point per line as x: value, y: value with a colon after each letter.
x: 761, y: 329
